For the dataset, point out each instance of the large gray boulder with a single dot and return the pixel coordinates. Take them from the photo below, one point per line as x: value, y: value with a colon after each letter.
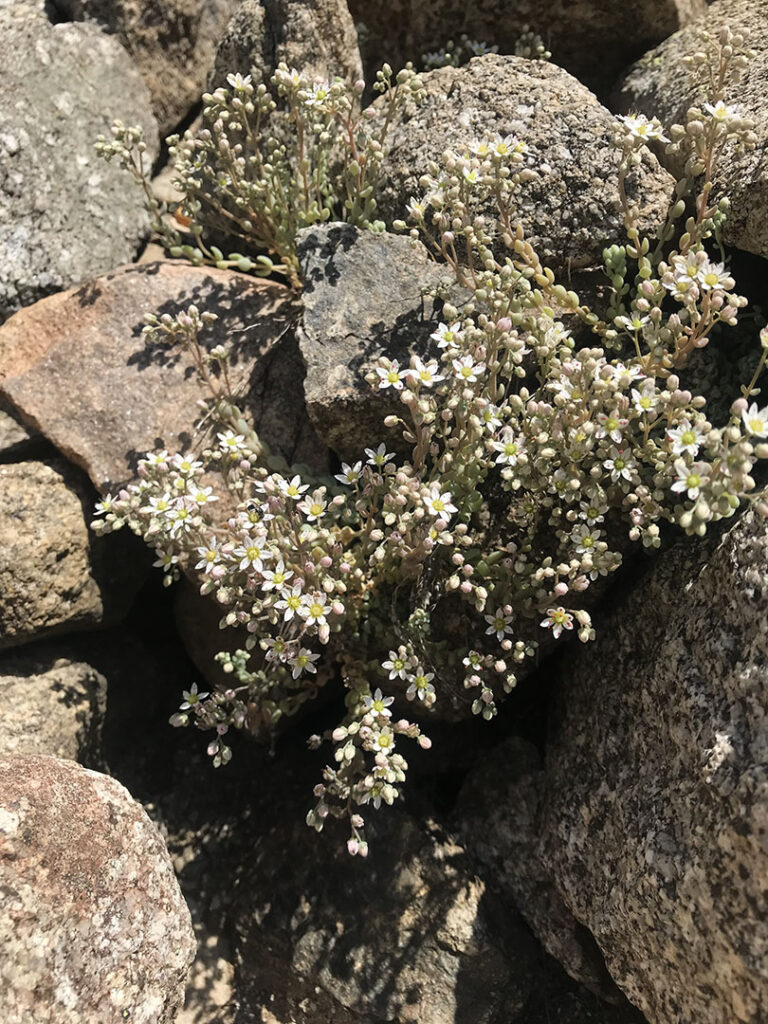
x: 93, y: 926
x: 660, y: 85
x: 652, y: 813
x: 364, y: 296
x: 172, y: 43
x: 65, y: 214
x: 315, y: 36
x: 592, y: 39
x: 572, y: 210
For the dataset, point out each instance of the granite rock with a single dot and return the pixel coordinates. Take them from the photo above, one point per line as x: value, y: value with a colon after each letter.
x: 659, y: 85
x: 172, y: 43
x: 409, y: 935
x: 55, y: 575
x: 362, y: 299
x: 574, y: 30
x: 572, y: 210
x: 16, y: 439
x: 506, y: 845
x: 77, y: 367
x: 65, y: 214
x: 54, y: 704
x: 654, y: 814
x: 316, y: 36
x: 93, y: 926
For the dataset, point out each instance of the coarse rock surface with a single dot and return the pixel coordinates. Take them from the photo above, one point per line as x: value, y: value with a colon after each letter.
x: 411, y: 934
x: 506, y: 845
x: 16, y: 439
x: 660, y: 85
x: 315, y: 36
x: 572, y: 210
x: 576, y: 31
x: 654, y: 815
x: 93, y: 926
x: 363, y: 298
x: 54, y: 703
x: 55, y: 575
x: 172, y: 43
x: 65, y: 214
x: 77, y: 367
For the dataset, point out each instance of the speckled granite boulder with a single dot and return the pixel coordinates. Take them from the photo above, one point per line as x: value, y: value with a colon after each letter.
x: 172, y: 42
x: 316, y: 36
x: 592, y: 39
x: 660, y: 85
x: 65, y: 214
x: 93, y: 926
x: 55, y: 575
x: 362, y: 299
x: 572, y: 211
x: 54, y: 704
x: 654, y: 815
x: 506, y: 845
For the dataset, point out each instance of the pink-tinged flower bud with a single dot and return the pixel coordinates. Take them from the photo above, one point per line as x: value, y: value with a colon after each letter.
x: 324, y: 633
x: 468, y: 570
x: 428, y: 544
x: 425, y: 742
x: 381, y: 760
x: 337, y: 608
x: 353, y: 847
x: 356, y: 821
x: 402, y: 725
x: 580, y: 583
x: 326, y: 562
x: 466, y: 587
x: 739, y: 406
x: 506, y: 644
x: 322, y: 811
x: 500, y: 666
x: 339, y: 734
x: 345, y: 568
x: 244, y: 465
x: 561, y: 590
x: 448, y: 237
x: 309, y: 567
x: 504, y: 324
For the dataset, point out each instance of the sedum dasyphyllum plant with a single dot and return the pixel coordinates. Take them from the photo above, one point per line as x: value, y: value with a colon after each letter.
x: 529, y: 44
x: 530, y: 457
x: 258, y: 173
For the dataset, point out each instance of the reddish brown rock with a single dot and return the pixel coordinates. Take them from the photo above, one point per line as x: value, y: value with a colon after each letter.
x: 76, y: 367
x: 93, y: 926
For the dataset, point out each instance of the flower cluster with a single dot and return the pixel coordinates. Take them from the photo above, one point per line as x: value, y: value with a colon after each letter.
x: 268, y: 162
x: 535, y: 453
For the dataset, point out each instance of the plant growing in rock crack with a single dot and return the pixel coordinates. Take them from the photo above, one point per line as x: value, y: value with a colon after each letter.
x: 529, y: 44
x: 267, y: 164
x: 529, y: 457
